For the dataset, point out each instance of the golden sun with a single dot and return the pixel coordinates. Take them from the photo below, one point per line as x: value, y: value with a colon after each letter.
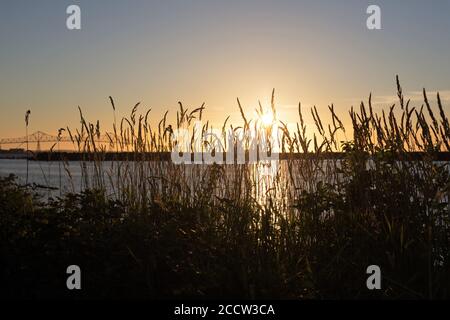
x: 267, y: 119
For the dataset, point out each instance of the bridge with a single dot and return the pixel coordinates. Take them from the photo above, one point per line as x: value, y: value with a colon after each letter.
x: 39, y: 137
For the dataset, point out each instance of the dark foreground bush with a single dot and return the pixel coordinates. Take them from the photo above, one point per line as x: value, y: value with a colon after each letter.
x: 170, y: 250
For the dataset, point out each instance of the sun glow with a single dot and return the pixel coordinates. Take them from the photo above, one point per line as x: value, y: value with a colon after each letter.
x: 267, y: 119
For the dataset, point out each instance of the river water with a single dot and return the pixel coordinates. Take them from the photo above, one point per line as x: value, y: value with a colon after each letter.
x: 43, y: 173
x: 58, y: 178
x: 276, y: 177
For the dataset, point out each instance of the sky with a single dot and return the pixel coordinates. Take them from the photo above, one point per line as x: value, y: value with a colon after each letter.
x: 160, y: 52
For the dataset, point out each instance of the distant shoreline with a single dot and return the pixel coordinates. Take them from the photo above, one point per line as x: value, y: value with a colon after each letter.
x: 166, y: 156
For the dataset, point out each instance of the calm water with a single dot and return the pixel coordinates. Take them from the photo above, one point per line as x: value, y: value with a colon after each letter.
x: 43, y: 173
x: 56, y: 174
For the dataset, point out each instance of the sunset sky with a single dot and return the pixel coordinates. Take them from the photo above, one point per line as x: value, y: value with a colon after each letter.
x: 162, y: 52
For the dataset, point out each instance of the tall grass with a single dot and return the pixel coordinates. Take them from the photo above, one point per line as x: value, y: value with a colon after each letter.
x: 27, y: 117
x: 308, y: 231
